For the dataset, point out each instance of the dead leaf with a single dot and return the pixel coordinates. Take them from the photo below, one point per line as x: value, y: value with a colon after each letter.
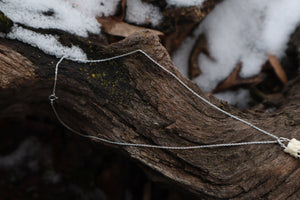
x: 274, y: 99
x: 199, y: 47
x: 118, y: 28
x: 234, y: 80
x: 123, y: 7
x: 277, y: 68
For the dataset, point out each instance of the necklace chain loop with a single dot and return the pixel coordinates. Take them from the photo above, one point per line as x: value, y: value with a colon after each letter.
x: 278, y: 140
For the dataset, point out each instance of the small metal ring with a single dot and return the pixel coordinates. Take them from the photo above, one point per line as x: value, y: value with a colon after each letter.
x: 281, y: 141
x: 52, y: 97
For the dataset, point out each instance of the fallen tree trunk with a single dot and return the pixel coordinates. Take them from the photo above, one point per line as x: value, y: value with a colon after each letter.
x: 131, y: 100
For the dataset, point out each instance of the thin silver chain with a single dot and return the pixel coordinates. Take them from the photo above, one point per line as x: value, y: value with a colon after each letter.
x: 53, y: 97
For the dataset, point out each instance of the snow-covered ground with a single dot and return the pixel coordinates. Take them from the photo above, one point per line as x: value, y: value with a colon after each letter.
x: 139, y: 12
x: 240, y: 31
x: 47, y: 43
x: 185, y: 3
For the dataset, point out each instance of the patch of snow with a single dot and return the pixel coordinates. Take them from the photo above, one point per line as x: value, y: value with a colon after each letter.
x: 270, y: 110
x: 139, y: 12
x: 54, y: 14
x: 241, y: 31
x: 282, y: 19
x: 239, y: 98
x: 47, y: 43
x: 247, y: 31
x: 95, y: 7
x: 181, y: 55
x: 185, y: 3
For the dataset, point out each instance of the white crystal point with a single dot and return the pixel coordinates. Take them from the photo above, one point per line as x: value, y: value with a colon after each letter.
x: 293, y: 148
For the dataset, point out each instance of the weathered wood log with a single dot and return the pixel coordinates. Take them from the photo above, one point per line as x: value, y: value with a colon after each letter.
x: 131, y: 100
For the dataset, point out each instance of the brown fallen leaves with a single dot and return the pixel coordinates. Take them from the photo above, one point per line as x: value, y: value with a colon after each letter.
x: 178, y: 22
x: 115, y: 27
x: 199, y: 47
x: 275, y: 64
x: 234, y: 80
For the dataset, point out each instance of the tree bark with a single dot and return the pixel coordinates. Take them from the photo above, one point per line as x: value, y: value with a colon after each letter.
x: 131, y: 100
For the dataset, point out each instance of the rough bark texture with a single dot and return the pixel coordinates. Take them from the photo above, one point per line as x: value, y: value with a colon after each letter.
x: 131, y: 100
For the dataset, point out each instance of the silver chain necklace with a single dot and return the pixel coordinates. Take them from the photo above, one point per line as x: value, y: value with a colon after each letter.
x: 293, y: 147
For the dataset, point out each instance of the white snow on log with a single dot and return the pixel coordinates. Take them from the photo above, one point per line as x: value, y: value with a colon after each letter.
x: 139, y: 12
x: 185, y: 3
x: 94, y: 8
x: 50, y: 14
x: 241, y: 31
x: 77, y: 17
x: 47, y: 43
